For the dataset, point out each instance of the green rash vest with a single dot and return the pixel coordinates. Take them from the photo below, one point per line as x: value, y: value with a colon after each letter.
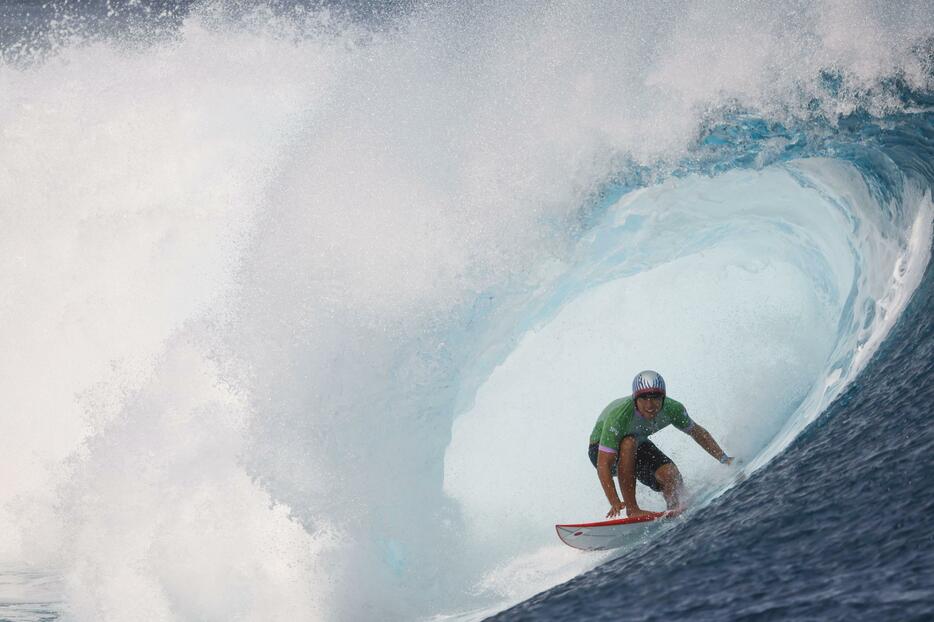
x: 621, y: 419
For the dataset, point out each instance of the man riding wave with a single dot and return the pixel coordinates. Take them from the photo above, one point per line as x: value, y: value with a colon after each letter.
x: 619, y: 445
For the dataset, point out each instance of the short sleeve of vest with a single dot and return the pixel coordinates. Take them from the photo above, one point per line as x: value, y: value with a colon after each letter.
x: 681, y: 420
x: 615, y: 427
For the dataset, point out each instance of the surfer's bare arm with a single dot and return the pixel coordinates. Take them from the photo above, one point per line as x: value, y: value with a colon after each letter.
x: 605, y: 462
x: 627, y: 475
x: 703, y: 438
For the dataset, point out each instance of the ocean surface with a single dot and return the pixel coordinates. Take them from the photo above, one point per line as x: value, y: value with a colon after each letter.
x: 310, y: 307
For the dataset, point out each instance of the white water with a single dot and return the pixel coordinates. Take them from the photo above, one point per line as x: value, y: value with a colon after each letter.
x: 252, y: 278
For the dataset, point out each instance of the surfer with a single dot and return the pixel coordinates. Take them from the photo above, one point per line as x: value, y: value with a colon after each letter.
x: 619, y: 445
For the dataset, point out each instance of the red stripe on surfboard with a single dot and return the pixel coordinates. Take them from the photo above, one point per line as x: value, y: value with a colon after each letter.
x: 622, y: 521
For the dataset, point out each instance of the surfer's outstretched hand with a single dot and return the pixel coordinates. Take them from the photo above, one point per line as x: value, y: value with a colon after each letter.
x: 615, y: 509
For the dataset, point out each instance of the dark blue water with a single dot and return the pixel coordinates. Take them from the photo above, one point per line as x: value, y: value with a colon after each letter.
x: 840, y: 526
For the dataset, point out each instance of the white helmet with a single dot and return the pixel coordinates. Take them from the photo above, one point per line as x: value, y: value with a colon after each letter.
x: 647, y: 381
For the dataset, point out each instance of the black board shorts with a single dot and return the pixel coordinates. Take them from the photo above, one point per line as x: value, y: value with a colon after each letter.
x: 649, y: 459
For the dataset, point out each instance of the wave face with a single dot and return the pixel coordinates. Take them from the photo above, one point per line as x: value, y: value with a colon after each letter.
x: 314, y: 307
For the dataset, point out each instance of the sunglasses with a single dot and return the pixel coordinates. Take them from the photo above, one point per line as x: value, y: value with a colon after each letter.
x: 651, y: 396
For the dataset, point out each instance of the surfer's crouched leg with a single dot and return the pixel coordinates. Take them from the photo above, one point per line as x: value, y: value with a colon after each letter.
x: 658, y: 472
x: 669, y: 477
x: 649, y: 461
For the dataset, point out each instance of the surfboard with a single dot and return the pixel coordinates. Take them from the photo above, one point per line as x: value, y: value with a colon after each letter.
x: 608, y: 534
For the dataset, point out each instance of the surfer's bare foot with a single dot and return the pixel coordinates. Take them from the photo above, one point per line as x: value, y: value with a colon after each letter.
x: 637, y: 512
